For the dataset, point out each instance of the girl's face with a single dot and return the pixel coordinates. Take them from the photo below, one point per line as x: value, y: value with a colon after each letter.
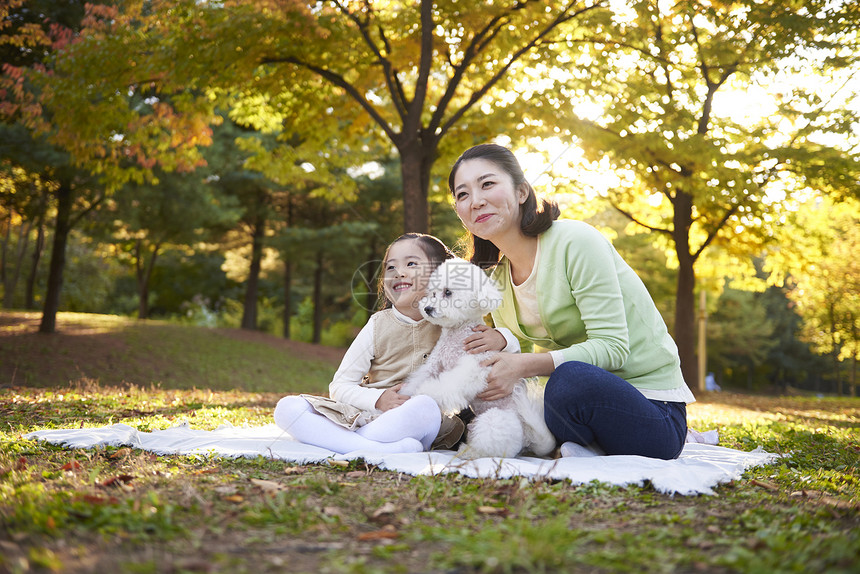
x: 404, y: 282
x: 486, y: 200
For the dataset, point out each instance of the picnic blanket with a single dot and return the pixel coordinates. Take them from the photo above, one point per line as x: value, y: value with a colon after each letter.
x: 699, y: 468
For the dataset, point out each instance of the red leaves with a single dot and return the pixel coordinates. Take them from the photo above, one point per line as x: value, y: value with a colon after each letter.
x: 99, y: 500
x: 20, y: 464
x: 387, y: 532
x: 72, y: 466
x: 120, y: 481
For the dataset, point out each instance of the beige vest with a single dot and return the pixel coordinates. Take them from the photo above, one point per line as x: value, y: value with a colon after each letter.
x: 395, y: 359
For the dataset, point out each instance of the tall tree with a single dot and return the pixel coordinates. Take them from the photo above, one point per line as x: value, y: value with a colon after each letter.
x: 818, y: 257
x: 740, y: 332
x: 414, y: 74
x: 85, y: 159
x: 696, y: 178
x: 145, y: 219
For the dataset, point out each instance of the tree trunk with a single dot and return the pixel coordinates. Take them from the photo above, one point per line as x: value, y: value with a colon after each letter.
x: 142, y: 287
x: 415, y: 175
x: 317, y: 297
x: 685, y: 304
x: 12, y: 278
x: 65, y: 201
x: 4, y: 248
x: 144, y: 275
x: 288, y: 304
x: 249, y: 312
x: 38, y: 248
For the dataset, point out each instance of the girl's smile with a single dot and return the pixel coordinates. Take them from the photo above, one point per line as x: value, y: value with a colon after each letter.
x: 406, y: 270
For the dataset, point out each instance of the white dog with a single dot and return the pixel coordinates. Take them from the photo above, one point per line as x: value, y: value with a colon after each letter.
x: 459, y: 294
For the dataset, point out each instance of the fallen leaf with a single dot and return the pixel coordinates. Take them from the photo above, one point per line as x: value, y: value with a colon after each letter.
x: 356, y: 474
x: 295, y: 469
x: 340, y: 463
x: 838, y: 503
x: 21, y: 464
x: 72, y: 466
x: 492, y: 510
x: 385, y: 510
x: 120, y: 453
x: 763, y: 484
x: 50, y: 524
x: 117, y: 481
x: 237, y: 498
x: 387, y: 532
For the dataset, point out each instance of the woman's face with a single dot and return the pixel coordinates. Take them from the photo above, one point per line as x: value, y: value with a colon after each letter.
x: 486, y: 200
x: 406, y: 269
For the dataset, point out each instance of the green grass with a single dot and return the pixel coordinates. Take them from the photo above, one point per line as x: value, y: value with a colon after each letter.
x: 128, y: 511
x: 118, y: 350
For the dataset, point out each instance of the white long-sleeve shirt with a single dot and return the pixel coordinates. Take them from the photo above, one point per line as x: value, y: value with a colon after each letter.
x: 346, y: 385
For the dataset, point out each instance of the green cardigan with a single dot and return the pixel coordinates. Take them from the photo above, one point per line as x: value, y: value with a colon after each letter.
x: 594, y: 308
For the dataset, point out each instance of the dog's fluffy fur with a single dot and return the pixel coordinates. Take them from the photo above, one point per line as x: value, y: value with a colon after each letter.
x: 459, y: 295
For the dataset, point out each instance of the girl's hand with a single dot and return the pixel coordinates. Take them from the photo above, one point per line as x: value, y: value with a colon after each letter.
x: 391, y: 398
x: 485, y: 339
x: 504, y: 374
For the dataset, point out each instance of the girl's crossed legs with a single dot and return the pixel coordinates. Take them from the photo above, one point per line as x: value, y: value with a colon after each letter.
x: 411, y: 427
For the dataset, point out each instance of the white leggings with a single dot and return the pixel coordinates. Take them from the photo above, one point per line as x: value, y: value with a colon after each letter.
x: 411, y: 427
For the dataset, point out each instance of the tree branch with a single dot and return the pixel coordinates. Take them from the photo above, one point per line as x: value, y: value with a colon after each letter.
x: 713, y: 234
x: 398, y: 96
x: 563, y: 17
x: 490, y: 30
x: 74, y: 221
x: 413, y: 118
x: 632, y: 218
x: 340, y: 82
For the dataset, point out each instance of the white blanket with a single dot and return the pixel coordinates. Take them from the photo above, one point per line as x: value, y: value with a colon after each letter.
x: 699, y: 468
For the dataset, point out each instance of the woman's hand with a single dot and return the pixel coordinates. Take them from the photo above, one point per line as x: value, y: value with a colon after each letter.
x: 485, y: 339
x: 391, y: 398
x: 504, y: 374
x: 508, y: 368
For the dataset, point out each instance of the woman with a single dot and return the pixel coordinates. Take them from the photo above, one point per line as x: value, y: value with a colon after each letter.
x: 615, y: 382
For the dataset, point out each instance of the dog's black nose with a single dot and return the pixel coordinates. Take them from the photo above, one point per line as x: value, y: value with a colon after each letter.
x: 428, y: 310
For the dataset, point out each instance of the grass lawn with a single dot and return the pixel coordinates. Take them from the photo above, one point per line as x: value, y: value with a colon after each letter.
x: 124, y: 510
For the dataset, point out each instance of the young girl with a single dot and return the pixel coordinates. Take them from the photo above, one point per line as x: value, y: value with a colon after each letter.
x: 366, y: 410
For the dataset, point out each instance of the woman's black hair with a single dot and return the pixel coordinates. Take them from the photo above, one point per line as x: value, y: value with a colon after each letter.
x: 433, y: 248
x: 534, y: 220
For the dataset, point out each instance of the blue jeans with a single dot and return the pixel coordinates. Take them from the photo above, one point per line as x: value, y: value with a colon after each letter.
x: 586, y: 404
